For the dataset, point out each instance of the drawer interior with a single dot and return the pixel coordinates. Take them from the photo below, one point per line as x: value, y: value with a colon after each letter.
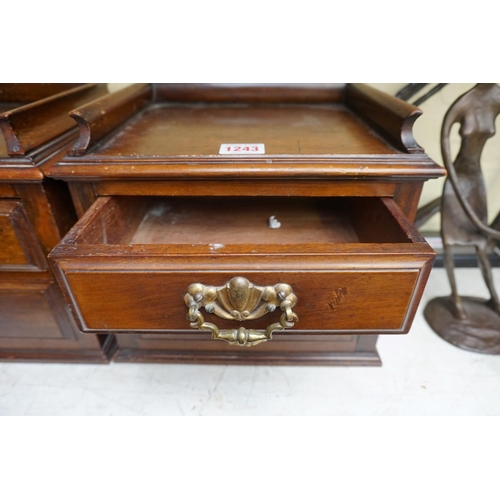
x: 217, y: 222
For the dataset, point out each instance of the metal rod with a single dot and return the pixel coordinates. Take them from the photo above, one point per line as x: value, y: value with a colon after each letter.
x: 431, y: 92
x: 410, y: 90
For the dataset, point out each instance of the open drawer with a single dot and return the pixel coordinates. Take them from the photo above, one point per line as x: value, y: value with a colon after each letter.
x: 171, y: 264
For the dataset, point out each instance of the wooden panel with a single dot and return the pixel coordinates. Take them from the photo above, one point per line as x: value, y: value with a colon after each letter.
x: 19, y: 247
x: 334, y: 350
x: 185, y: 341
x: 83, y: 195
x: 59, y: 199
x: 98, y: 119
x: 30, y: 92
x: 310, y: 135
x: 35, y: 124
x: 324, y: 222
x: 41, y: 213
x: 330, y: 301
x: 407, y: 197
x: 26, y: 312
x: 234, y: 92
x: 248, y: 187
x: 35, y: 324
x: 7, y: 191
x: 243, y: 220
x: 167, y: 130
x: 389, y: 115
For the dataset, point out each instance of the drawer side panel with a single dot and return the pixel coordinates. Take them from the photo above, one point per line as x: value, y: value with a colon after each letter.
x: 19, y: 247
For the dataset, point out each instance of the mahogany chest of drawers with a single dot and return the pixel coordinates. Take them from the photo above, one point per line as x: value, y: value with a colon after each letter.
x: 35, y: 213
x: 244, y: 224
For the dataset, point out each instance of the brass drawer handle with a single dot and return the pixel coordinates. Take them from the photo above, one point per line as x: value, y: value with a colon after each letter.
x: 241, y: 300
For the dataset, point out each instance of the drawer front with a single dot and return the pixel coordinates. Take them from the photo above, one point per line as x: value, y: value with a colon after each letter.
x: 328, y: 269
x: 35, y: 324
x: 28, y: 311
x: 19, y: 247
x: 132, y: 297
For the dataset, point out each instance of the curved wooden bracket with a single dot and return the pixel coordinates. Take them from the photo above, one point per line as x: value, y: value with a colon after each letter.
x: 97, y: 119
x: 392, y: 117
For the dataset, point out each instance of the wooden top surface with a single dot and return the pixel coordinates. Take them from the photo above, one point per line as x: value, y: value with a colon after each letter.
x: 144, y: 132
x: 198, y: 130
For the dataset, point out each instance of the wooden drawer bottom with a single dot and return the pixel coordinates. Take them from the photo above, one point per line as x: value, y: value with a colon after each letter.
x: 328, y: 350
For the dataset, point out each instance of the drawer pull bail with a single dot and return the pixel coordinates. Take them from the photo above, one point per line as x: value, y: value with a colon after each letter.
x: 241, y: 300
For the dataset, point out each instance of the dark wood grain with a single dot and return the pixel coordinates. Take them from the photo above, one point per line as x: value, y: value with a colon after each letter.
x: 246, y: 187
x: 34, y: 124
x: 392, y: 117
x: 59, y: 199
x: 29, y: 92
x: 19, y: 247
x: 241, y: 93
x: 41, y: 214
x: 7, y: 191
x: 97, y: 120
x: 308, y: 139
x: 25, y: 309
x: 335, y: 350
x: 107, y: 302
x: 36, y: 325
x: 198, y: 131
x: 83, y: 195
x: 25, y: 169
x: 35, y: 212
x: 407, y: 196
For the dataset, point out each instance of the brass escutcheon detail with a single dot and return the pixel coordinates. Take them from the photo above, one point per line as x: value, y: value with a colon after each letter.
x: 241, y: 300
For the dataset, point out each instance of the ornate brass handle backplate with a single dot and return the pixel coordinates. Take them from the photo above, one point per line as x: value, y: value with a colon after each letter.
x: 241, y: 300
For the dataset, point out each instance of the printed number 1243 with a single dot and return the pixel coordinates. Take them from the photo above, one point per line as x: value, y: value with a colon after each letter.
x: 242, y: 149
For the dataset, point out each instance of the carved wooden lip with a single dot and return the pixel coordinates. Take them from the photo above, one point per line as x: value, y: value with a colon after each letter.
x: 386, y: 167
x: 265, y: 159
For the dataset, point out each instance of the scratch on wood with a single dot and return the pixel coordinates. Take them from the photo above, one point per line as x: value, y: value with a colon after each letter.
x: 338, y: 296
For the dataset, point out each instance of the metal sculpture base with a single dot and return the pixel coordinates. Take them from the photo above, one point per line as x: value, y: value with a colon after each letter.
x: 480, y: 332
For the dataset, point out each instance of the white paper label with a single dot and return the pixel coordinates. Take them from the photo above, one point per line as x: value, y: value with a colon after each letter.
x: 242, y: 149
